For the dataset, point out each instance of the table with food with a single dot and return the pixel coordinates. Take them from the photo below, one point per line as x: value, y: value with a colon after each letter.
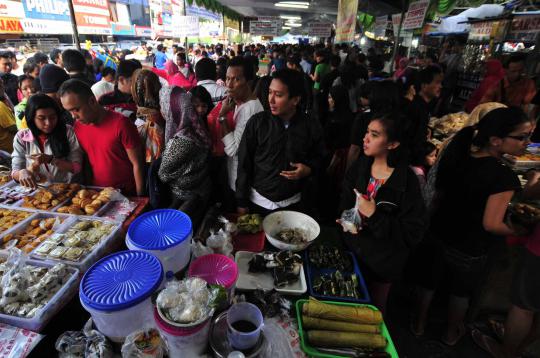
x: 238, y: 286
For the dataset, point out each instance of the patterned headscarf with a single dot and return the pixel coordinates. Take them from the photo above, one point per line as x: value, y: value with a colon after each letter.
x: 145, y: 87
x: 180, y: 117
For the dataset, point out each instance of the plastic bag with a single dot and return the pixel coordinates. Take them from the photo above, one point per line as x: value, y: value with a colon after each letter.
x: 198, y: 249
x: 350, y: 220
x: 146, y: 343
x: 14, y: 281
x: 277, y: 343
x: 17, y: 342
x: 220, y: 243
x: 88, y: 343
x: 228, y: 226
x: 188, y: 301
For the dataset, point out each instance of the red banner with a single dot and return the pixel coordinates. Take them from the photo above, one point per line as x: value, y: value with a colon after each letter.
x: 93, y: 16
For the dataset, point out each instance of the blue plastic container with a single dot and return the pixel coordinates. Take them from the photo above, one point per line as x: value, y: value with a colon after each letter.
x: 116, y: 291
x: 313, y: 272
x: 165, y: 233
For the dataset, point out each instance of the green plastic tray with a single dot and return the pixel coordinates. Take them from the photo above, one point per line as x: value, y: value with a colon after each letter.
x: 312, y: 352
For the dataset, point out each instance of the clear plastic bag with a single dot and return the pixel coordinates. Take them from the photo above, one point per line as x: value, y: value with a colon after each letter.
x: 350, y: 220
x: 220, y: 242
x: 88, y: 343
x: 146, y: 343
x: 198, y: 249
x: 17, y: 342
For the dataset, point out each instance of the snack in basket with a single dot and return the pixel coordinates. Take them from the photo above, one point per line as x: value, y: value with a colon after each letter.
x: 77, y: 242
x: 88, y: 201
x: 322, y: 256
x: 337, y: 284
x: 10, y: 218
x: 450, y: 123
x: 37, y: 231
x: 54, y: 195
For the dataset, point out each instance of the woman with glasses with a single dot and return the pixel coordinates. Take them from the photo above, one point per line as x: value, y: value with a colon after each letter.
x: 474, y: 187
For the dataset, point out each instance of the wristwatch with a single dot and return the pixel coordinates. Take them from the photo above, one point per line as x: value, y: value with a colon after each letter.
x: 222, y: 119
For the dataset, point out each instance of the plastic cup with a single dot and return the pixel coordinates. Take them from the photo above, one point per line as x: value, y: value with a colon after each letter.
x: 244, y: 312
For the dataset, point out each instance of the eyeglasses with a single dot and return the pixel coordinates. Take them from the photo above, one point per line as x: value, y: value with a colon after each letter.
x: 521, y: 138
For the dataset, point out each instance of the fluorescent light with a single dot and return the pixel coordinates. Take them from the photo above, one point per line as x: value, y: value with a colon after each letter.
x: 285, y: 27
x: 289, y: 17
x: 293, y: 4
x: 292, y: 24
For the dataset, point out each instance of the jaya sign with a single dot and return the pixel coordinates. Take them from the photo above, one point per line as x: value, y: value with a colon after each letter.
x: 10, y: 25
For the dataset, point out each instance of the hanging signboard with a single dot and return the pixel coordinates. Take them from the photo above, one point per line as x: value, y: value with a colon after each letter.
x: 93, y: 16
x: 380, y: 25
x: 396, y: 19
x: 194, y: 10
x: 268, y: 18
x: 480, y: 31
x: 188, y: 26
x: 57, y: 10
x: 263, y: 28
x: 123, y: 30
x: 416, y: 14
x: 320, y: 29
x: 524, y: 28
x: 346, y: 20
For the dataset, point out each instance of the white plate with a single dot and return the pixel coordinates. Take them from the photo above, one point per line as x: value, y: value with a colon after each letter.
x: 263, y: 280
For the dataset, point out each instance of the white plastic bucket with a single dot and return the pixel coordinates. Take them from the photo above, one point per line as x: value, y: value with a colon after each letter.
x: 184, y: 342
x: 117, y: 325
x: 173, y: 259
x: 164, y: 233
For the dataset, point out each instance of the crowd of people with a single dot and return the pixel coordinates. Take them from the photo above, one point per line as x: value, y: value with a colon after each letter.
x: 325, y: 130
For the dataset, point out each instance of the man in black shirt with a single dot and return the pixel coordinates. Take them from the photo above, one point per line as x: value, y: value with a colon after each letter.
x: 11, y: 83
x: 293, y: 63
x: 279, y: 150
x: 75, y: 65
x: 428, y: 88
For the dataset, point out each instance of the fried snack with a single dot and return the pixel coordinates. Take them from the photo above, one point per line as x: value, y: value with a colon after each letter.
x: 88, y: 201
x: 346, y: 339
x: 46, y: 199
x: 359, y: 315
x: 9, y: 218
x: 330, y: 325
x: 27, y: 239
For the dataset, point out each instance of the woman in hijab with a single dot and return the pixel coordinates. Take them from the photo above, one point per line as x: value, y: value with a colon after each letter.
x: 185, y: 162
x: 494, y: 73
x: 403, y: 65
x: 145, y: 87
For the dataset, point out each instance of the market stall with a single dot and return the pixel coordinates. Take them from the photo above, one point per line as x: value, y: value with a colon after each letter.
x: 212, y: 297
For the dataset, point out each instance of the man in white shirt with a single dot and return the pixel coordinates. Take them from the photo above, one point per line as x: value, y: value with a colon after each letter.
x: 245, y: 104
x: 106, y: 85
x: 206, y: 74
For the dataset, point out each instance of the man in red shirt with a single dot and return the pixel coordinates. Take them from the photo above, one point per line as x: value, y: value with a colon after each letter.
x: 110, y: 140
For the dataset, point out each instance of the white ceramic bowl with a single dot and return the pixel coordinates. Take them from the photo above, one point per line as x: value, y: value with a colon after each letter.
x: 280, y: 220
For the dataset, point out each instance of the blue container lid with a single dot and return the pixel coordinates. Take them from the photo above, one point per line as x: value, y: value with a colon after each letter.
x: 120, y: 280
x: 159, y: 229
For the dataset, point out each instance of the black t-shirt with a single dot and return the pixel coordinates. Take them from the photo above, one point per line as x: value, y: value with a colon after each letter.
x: 458, y: 219
x: 359, y: 128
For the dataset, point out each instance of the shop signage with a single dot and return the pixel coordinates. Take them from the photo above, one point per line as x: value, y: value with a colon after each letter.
x: 93, y: 16
x: 320, y: 29
x: 11, y: 9
x: 416, y: 14
x: 396, y: 19
x: 47, y: 9
x: 381, y: 23
x: 39, y: 26
x: 122, y: 30
x: 480, y: 30
x: 268, y: 18
x: 143, y: 31
x: 10, y: 25
x: 524, y: 28
x: 194, y: 10
x: 188, y: 26
x: 263, y: 28
x: 346, y: 20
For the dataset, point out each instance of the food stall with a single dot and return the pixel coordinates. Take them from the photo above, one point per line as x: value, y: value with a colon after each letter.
x: 165, y: 295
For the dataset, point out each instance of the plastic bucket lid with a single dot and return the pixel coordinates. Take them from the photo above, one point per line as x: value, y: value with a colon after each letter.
x: 159, y: 229
x: 215, y: 269
x: 178, y: 331
x: 120, y: 281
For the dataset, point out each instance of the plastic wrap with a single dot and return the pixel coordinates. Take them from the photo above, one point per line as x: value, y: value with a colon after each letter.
x: 220, y: 242
x: 198, y: 249
x: 146, y: 343
x: 187, y: 301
